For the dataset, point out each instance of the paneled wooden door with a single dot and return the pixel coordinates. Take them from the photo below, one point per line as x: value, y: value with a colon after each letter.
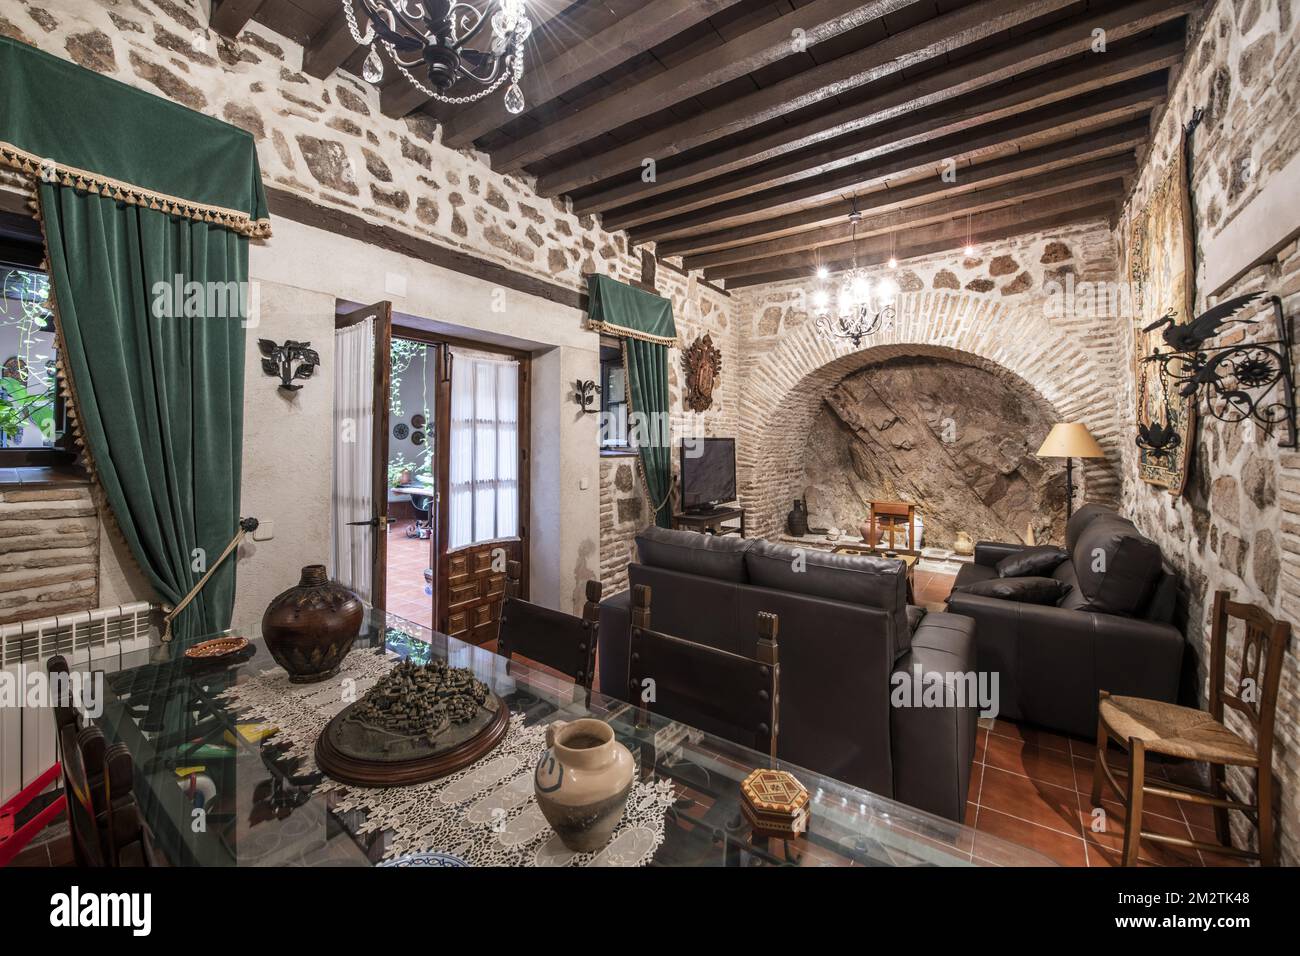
x: 472, y: 579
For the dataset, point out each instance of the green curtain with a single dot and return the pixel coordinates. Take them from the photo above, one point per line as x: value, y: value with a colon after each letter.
x: 147, y: 208
x: 644, y: 322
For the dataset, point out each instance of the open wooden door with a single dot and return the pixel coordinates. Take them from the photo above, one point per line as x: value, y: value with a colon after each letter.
x: 362, y: 371
x: 483, y: 439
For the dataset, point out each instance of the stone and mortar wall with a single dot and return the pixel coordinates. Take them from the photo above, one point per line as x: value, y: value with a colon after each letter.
x: 1237, y: 526
x: 624, y: 506
x: 328, y: 141
x: 994, y: 306
x: 49, y: 551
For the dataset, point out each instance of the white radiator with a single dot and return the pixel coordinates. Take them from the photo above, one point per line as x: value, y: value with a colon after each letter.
x: 90, y: 640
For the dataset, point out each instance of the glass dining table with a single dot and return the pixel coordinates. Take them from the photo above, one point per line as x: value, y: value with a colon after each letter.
x: 267, y: 805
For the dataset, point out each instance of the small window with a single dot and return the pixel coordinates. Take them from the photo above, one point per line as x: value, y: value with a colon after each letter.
x: 31, y: 413
x: 613, y: 400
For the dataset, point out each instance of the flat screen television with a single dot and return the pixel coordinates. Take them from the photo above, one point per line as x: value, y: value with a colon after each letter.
x: 708, y: 473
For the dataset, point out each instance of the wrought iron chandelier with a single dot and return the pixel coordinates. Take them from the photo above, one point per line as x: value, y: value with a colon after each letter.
x: 863, y: 307
x: 436, y: 35
x: 1245, y: 382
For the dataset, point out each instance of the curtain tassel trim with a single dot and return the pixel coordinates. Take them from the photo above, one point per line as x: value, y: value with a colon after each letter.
x: 617, y: 330
x: 80, y: 179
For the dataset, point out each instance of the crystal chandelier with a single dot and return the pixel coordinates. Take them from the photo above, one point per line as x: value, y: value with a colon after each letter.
x: 862, y: 307
x: 436, y: 35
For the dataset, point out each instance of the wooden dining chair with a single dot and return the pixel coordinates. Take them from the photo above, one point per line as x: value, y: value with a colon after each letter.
x: 890, y: 515
x: 104, y: 818
x: 682, y: 680
x: 1143, y: 726
x: 560, y: 641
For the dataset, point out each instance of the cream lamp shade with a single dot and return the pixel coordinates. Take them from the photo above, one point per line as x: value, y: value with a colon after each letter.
x: 1070, y: 440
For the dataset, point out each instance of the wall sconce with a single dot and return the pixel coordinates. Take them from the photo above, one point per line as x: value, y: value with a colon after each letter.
x: 278, y: 361
x: 1235, y: 380
x: 585, y: 395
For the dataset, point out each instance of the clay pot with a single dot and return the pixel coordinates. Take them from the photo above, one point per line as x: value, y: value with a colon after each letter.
x: 310, y: 628
x: 865, y: 530
x: 963, y: 544
x: 582, y: 781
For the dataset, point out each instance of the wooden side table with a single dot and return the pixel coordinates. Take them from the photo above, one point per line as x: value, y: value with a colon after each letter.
x: 710, y: 522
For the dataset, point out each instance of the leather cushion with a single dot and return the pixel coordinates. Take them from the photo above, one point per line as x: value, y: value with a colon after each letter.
x: 972, y: 572
x: 1080, y: 520
x: 1025, y: 590
x: 1116, y: 566
x: 1032, y: 562
x: 914, y: 617
x: 854, y: 578
x: 721, y: 557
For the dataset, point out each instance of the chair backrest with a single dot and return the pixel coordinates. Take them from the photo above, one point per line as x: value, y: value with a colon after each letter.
x: 60, y: 682
x: 701, y: 685
x: 558, y: 640
x: 87, y: 847
x: 1260, y: 670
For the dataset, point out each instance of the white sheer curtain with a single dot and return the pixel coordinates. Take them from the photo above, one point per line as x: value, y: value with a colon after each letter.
x: 352, y: 550
x: 484, y: 464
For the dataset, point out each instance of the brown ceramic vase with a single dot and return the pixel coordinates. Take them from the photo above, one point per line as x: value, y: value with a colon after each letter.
x: 310, y: 628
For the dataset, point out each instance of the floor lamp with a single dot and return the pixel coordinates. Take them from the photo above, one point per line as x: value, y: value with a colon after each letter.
x: 1070, y: 440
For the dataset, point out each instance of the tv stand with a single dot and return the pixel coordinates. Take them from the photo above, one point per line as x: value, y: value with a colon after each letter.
x: 710, y: 521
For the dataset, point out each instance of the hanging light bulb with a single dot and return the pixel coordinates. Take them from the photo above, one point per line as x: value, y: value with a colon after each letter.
x: 821, y: 300
x: 893, y: 263
x: 970, y: 244
x: 823, y: 273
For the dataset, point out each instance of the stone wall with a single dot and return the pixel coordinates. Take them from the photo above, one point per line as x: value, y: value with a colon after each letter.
x: 890, y: 432
x: 326, y: 140
x: 1004, y: 306
x: 1237, y: 527
x: 49, y: 551
x: 624, y: 507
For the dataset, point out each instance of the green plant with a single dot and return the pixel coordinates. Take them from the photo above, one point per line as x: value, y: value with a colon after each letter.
x: 27, y: 393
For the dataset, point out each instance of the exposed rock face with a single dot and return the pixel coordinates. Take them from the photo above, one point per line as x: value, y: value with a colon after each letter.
x: 956, y: 439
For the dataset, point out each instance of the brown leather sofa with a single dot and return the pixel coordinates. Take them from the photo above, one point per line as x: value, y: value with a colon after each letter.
x: 1111, y: 631
x: 845, y: 631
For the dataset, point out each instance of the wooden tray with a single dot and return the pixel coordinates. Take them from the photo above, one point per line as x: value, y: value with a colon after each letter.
x: 339, y: 756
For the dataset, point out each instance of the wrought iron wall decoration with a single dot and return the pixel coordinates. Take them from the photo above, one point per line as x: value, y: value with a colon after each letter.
x: 702, y: 364
x: 1239, y: 382
x: 585, y: 396
x: 278, y: 361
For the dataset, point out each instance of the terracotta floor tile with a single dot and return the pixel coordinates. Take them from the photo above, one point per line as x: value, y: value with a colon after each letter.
x: 1064, y: 848
x: 1042, y: 738
x: 1030, y: 800
x: 1031, y: 760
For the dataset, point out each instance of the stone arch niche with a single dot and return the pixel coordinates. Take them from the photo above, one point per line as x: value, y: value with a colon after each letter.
x: 786, y: 387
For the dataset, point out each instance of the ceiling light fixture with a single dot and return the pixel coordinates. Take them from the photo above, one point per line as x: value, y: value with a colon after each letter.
x: 863, y: 306
x: 436, y: 35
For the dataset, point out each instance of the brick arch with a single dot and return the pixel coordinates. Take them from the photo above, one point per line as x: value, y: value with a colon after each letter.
x: 784, y: 389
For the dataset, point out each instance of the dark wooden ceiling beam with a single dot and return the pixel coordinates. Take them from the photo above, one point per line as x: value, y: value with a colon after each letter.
x: 934, y: 240
x: 975, y: 201
x: 229, y: 17
x: 644, y: 29
x: 332, y: 44
x: 1007, y: 215
x: 1061, y: 156
x: 399, y: 97
x: 936, y: 124
x: 821, y: 20
x: 1091, y: 112
x: 925, y: 91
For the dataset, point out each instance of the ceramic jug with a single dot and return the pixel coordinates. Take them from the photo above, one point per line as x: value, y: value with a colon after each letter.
x: 582, y: 781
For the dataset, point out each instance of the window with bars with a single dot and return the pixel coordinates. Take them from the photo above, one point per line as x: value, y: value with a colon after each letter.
x: 483, y: 465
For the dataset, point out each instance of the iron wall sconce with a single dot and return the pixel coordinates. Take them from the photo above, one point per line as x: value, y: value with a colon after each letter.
x: 278, y: 361
x: 1235, y: 380
x: 585, y: 396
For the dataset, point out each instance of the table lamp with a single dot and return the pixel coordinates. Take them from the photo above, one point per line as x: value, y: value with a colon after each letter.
x: 1070, y: 440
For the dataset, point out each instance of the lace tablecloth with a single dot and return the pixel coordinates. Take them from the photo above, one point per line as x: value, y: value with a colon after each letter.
x: 485, y: 814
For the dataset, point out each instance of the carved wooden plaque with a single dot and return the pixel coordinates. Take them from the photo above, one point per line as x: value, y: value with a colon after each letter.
x: 702, y: 364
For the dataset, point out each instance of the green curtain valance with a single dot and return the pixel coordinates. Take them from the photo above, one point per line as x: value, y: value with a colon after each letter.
x: 616, y: 308
x: 73, y: 127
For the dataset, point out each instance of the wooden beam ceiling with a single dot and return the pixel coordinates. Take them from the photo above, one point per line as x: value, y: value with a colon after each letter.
x: 767, y: 120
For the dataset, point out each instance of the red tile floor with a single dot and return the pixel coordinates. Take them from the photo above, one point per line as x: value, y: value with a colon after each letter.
x: 1034, y: 788
x: 407, y: 559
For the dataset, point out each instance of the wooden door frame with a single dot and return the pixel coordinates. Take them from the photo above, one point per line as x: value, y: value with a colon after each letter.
x: 383, y: 313
x: 442, y: 413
